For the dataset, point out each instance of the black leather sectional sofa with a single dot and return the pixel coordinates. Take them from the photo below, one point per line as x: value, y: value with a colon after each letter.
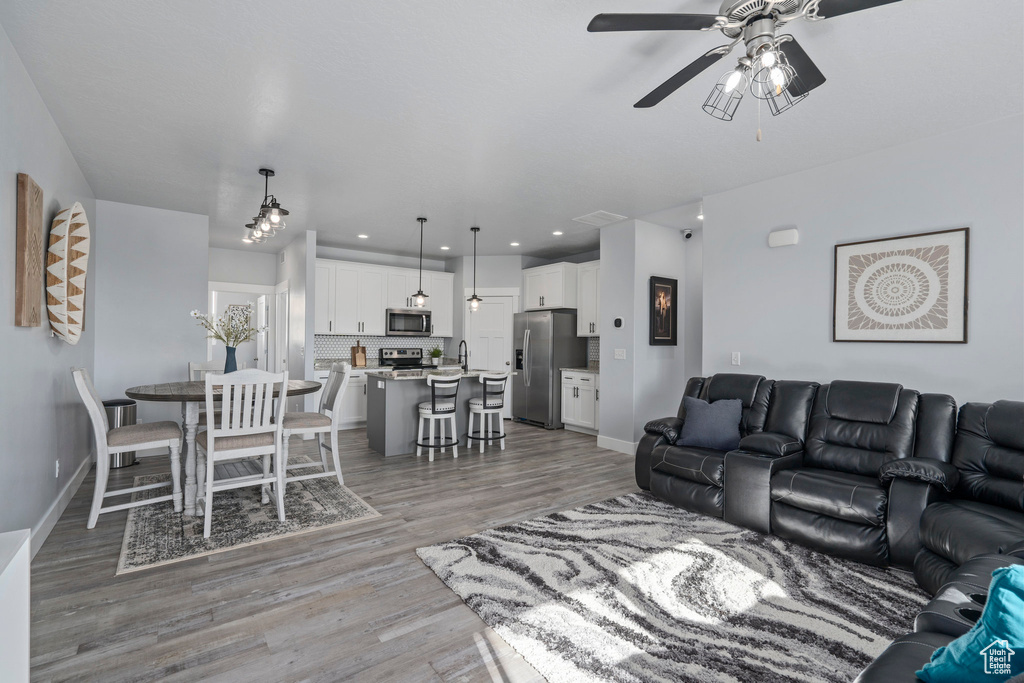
x: 868, y: 471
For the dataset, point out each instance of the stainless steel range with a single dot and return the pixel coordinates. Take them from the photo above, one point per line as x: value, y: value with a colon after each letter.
x: 402, y: 358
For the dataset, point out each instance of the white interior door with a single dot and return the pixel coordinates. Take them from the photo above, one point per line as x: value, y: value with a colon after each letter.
x: 489, y: 335
x: 281, y: 330
x: 262, y: 337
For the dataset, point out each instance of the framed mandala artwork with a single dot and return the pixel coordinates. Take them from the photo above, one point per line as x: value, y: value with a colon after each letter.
x: 902, y: 289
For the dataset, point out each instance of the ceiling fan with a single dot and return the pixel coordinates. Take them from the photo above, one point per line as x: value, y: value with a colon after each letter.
x: 774, y: 66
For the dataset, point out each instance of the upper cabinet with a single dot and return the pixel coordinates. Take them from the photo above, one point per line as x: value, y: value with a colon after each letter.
x: 588, y: 297
x: 551, y: 286
x: 352, y: 298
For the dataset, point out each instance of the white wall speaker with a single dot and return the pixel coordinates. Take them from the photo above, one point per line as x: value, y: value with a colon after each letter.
x: 783, y: 238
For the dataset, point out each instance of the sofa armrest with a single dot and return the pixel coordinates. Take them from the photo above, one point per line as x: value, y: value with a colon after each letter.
x: 925, y: 470
x: 770, y: 443
x: 665, y: 426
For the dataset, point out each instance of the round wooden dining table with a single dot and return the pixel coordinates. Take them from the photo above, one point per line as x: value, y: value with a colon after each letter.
x: 190, y: 395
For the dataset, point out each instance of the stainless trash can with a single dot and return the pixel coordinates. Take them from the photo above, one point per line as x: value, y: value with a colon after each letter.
x: 120, y: 413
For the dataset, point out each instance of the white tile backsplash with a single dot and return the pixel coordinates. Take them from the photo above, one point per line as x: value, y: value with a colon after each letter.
x: 339, y: 346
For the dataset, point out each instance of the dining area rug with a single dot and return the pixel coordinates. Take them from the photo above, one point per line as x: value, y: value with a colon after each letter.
x: 155, y: 535
x: 635, y: 589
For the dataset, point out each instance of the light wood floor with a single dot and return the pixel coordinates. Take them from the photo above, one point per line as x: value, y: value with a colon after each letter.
x: 351, y: 603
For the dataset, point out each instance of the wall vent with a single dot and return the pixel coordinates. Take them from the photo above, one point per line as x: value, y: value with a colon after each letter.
x: 600, y: 218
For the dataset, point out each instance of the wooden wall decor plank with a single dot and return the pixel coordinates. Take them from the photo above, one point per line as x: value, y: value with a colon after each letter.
x: 28, y: 278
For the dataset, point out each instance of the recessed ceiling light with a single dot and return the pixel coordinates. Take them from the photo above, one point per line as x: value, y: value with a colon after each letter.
x: 363, y: 237
x: 514, y: 244
x: 700, y: 216
x: 557, y: 232
x: 445, y: 248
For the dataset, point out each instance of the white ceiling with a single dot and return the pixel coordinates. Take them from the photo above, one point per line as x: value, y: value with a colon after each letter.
x: 504, y: 114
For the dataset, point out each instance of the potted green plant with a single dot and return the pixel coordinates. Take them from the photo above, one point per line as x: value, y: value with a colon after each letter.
x: 435, y: 356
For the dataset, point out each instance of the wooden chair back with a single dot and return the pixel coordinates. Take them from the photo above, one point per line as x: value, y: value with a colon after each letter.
x: 337, y: 383
x: 246, y: 403
x: 443, y: 391
x: 93, y: 404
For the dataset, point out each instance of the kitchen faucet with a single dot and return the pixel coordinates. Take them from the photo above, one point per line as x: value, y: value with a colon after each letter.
x: 464, y: 358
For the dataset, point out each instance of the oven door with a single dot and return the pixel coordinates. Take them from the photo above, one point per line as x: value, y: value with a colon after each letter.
x: 408, y: 322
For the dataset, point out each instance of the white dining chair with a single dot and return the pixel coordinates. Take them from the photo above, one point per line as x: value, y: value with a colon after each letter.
x: 439, y: 410
x: 245, y: 423
x: 197, y: 371
x: 488, y: 409
x: 128, y: 438
x: 320, y: 424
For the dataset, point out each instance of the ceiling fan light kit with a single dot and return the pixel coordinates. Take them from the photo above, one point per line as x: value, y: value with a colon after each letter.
x: 774, y: 67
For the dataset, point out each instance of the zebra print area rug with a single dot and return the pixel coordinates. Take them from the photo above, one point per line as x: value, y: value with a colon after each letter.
x: 635, y: 589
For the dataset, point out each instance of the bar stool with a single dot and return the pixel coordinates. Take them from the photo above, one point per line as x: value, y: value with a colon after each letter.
x: 488, y: 407
x: 439, y: 409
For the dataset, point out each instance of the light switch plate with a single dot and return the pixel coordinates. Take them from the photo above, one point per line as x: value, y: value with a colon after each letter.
x: 735, y: 357
x: 620, y: 354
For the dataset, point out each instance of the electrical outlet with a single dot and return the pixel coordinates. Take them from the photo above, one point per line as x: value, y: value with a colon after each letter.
x: 56, y: 469
x: 735, y: 357
x: 620, y: 354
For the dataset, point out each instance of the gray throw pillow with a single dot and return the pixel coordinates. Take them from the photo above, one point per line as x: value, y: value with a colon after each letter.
x: 711, y: 425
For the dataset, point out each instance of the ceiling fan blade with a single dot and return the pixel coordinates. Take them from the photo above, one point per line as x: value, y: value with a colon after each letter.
x: 833, y: 8
x: 651, y: 22
x: 677, y: 81
x: 810, y: 76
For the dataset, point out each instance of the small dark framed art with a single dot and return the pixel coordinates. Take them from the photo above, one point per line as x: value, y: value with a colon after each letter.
x: 911, y: 288
x: 664, y: 312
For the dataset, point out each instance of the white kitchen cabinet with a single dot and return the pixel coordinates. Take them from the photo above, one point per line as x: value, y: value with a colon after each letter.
x: 353, y: 401
x: 588, y: 299
x: 580, y: 395
x: 552, y: 286
x: 352, y: 298
x: 441, y: 302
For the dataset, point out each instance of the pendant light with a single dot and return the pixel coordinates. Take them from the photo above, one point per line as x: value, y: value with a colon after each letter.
x: 419, y: 297
x: 270, y: 218
x: 474, y: 301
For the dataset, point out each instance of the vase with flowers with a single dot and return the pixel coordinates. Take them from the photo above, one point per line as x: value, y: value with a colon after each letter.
x: 232, y: 328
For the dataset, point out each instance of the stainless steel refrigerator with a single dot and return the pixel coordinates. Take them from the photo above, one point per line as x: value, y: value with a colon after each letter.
x: 544, y: 342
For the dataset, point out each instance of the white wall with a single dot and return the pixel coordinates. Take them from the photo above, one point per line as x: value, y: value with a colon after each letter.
x: 650, y: 381
x: 41, y: 416
x: 693, y: 306
x: 775, y: 305
x: 245, y: 267
x: 298, y: 268
x: 618, y: 276
x: 151, y: 270
x: 659, y: 372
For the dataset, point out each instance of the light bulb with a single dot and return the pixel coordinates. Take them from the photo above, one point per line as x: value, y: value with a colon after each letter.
x: 420, y: 301
x: 474, y: 304
x: 275, y: 217
x: 733, y: 81
x: 257, y: 233
x: 768, y: 59
x: 778, y: 78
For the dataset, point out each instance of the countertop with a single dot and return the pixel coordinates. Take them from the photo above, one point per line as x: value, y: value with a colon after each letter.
x: 593, y: 368
x: 420, y: 375
x: 371, y: 364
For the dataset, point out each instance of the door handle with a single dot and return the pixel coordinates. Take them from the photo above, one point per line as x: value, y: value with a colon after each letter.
x: 508, y: 363
x: 330, y: 325
x: 526, y: 357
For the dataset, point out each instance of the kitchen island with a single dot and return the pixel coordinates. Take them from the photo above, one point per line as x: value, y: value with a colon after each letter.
x: 392, y: 406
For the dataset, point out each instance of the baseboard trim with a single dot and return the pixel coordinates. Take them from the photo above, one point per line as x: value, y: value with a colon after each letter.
x: 627, y: 447
x: 42, y: 530
x: 581, y: 430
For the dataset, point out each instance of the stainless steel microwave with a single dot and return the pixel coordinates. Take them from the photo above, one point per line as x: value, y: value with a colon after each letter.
x: 408, y: 322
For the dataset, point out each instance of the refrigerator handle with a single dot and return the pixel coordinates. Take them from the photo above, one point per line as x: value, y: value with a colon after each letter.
x: 526, y: 357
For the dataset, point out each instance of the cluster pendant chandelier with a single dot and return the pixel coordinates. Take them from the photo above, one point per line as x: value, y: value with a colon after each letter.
x: 474, y: 301
x: 270, y: 218
x: 419, y: 297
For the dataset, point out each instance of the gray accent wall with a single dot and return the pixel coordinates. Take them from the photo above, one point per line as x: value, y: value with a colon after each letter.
x: 243, y: 267
x: 41, y: 416
x: 775, y: 305
x: 151, y: 270
x: 296, y: 264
